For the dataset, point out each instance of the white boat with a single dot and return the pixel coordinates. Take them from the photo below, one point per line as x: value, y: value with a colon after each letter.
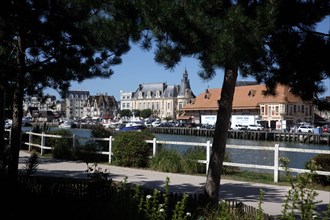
x: 132, y: 126
x: 66, y: 124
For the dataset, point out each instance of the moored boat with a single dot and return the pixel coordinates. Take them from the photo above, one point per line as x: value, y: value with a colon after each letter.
x: 67, y: 124
x: 132, y: 126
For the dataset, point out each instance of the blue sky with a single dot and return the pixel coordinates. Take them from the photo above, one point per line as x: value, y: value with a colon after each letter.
x: 138, y: 67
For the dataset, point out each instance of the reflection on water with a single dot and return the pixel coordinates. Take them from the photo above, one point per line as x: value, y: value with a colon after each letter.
x: 260, y: 157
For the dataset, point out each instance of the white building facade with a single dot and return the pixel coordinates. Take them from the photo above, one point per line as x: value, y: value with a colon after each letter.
x: 74, y: 104
x: 164, y: 100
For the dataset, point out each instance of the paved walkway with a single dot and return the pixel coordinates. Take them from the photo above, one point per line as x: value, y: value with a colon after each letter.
x: 246, y: 192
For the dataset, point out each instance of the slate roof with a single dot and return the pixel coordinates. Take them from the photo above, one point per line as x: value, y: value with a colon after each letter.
x: 165, y: 90
x: 109, y: 101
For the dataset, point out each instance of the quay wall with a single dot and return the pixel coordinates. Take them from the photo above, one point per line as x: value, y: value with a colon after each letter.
x: 308, y: 138
x: 265, y: 135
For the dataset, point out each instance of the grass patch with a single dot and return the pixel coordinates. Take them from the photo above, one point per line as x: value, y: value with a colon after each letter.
x: 265, y: 178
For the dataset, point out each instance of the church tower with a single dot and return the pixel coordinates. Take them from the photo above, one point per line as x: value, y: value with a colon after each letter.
x: 185, y: 95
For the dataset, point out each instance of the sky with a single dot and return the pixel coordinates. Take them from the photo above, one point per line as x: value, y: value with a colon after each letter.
x: 138, y: 67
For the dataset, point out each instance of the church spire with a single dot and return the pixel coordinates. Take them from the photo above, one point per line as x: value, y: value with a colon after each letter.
x: 185, y: 84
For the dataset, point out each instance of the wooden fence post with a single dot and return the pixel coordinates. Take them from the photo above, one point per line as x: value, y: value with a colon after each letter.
x: 208, y: 155
x: 276, y: 153
x: 110, y: 148
x: 73, y: 141
x: 30, y: 140
x: 154, y: 147
x: 42, y: 142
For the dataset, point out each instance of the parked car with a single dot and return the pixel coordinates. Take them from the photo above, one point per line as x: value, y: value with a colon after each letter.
x: 255, y: 127
x: 325, y: 128
x: 238, y: 127
x: 305, y: 128
x: 8, y: 123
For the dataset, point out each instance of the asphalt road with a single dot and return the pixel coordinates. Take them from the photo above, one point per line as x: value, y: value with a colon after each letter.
x: 246, y: 192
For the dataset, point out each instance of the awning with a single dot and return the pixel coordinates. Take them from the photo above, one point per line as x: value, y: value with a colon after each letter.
x: 184, y: 117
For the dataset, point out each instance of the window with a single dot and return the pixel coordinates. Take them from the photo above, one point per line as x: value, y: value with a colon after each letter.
x: 252, y: 93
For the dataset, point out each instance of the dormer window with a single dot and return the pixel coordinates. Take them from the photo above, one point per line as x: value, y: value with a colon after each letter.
x: 158, y: 93
x: 252, y: 93
x: 140, y: 95
x: 149, y: 94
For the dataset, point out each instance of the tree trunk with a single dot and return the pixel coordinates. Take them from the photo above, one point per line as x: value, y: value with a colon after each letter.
x: 2, y: 124
x: 220, y: 137
x: 16, y: 138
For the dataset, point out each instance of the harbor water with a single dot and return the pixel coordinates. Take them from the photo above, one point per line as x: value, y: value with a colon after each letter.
x: 260, y: 157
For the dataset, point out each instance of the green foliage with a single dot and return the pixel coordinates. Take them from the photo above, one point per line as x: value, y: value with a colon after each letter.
x: 189, y: 161
x: 323, y: 163
x: 168, y: 118
x: 41, y: 128
x: 38, y: 129
x: 31, y: 165
x: 57, y: 43
x: 97, y: 174
x: 278, y: 47
x: 300, y: 199
x: 146, y: 113
x: 136, y: 112
x: 4, y: 163
x: 227, y: 170
x: 170, y: 160
x: 87, y: 151
x: 100, y: 131
x: 130, y: 148
x: 166, y: 160
x: 125, y: 113
x: 62, y: 147
x: 180, y: 207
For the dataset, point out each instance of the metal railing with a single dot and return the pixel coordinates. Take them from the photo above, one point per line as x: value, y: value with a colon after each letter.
x: 208, y: 146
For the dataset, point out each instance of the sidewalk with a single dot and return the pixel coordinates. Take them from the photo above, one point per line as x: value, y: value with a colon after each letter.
x: 246, y: 192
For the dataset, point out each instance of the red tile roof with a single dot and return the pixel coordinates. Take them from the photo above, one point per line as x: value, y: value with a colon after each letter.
x: 245, y: 97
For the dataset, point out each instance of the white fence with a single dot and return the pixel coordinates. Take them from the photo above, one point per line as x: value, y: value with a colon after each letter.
x: 208, y: 145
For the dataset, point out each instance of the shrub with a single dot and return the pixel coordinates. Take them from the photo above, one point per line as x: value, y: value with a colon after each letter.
x: 322, y: 162
x: 166, y: 160
x: 190, y: 159
x: 87, y: 153
x: 100, y: 131
x: 227, y: 170
x: 62, y: 147
x: 130, y: 148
